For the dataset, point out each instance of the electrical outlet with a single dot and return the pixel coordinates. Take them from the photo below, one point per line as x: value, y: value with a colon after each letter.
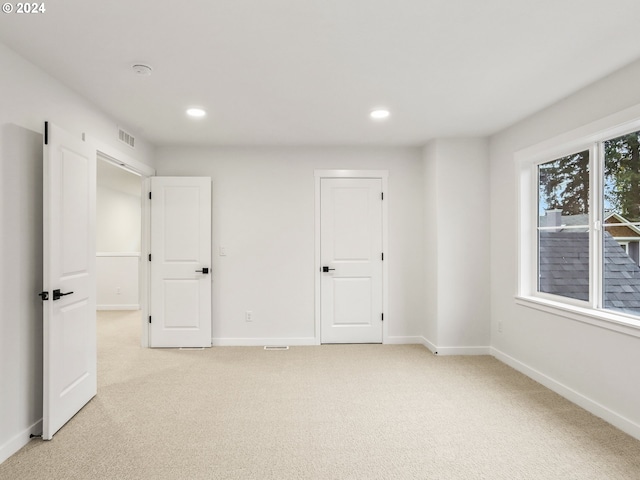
x: 248, y: 316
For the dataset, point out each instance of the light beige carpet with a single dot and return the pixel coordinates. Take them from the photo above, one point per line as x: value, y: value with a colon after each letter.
x: 328, y: 412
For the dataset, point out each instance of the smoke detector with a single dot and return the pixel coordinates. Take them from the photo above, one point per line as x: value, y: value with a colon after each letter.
x: 142, y: 69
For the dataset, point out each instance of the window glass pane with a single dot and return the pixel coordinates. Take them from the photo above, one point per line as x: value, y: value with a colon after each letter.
x: 563, y: 226
x: 621, y: 232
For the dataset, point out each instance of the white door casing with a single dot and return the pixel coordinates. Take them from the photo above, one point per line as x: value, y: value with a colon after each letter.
x: 351, y: 248
x: 69, y: 329
x: 108, y: 153
x: 180, y: 308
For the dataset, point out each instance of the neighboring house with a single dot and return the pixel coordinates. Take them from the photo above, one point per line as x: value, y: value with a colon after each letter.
x: 564, y: 268
x: 627, y: 236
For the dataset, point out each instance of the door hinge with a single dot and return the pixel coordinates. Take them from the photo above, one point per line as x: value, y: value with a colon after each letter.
x: 149, y: 195
x: 149, y: 318
x: 381, y: 195
x: 382, y: 317
x: 382, y: 256
x: 46, y: 133
x: 149, y: 257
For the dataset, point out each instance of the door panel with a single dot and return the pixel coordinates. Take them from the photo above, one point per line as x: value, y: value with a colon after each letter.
x: 69, y: 342
x: 180, y: 236
x: 180, y: 251
x: 351, y: 247
x: 181, y: 301
x: 351, y: 232
x: 352, y: 301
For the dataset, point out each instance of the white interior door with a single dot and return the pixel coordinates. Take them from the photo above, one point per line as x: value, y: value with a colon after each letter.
x: 351, y: 254
x: 69, y: 348
x: 180, y: 262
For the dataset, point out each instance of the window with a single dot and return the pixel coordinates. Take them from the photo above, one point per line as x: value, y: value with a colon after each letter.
x: 621, y: 219
x: 584, y: 248
x: 563, y: 226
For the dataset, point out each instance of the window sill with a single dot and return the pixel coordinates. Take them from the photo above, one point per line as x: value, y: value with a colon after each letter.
x: 599, y: 318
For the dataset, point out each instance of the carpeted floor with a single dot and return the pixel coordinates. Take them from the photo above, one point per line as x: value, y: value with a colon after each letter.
x: 327, y: 412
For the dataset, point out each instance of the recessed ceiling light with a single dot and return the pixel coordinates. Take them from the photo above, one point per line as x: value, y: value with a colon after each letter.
x: 379, y: 114
x: 196, y: 112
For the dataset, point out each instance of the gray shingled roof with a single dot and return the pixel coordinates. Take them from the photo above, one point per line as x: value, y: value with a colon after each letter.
x: 574, y: 220
x: 564, y: 269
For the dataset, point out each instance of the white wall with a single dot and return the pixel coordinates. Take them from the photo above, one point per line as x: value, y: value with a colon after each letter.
x: 431, y: 187
x: 29, y: 97
x: 456, y: 187
x: 118, y: 227
x: 117, y: 281
x: 118, y: 220
x: 263, y: 214
x: 593, y: 366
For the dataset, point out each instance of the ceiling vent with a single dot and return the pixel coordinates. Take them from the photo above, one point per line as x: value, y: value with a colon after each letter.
x: 126, y: 138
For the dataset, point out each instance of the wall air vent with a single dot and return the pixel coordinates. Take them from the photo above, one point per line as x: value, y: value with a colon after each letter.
x: 126, y: 138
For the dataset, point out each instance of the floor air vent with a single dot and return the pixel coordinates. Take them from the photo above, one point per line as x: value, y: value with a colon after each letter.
x: 275, y: 347
x: 127, y: 138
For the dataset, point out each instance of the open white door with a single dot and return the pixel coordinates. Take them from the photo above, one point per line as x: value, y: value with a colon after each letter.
x: 69, y: 278
x: 180, y: 312
x: 351, y: 286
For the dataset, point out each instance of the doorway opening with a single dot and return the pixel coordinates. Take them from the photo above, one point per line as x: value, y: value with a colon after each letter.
x: 118, y: 237
x: 122, y: 238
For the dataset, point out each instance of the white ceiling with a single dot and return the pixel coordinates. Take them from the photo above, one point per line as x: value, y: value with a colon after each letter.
x: 303, y: 72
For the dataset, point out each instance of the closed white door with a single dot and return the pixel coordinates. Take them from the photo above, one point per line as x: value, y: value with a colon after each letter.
x: 351, y: 256
x: 69, y: 280
x: 180, y: 312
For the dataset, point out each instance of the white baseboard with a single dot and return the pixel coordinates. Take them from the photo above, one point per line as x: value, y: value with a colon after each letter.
x: 579, y: 399
x: 19, y: 441
x: 118, y: 307
x: 404, y: 341
x: 430, y: 346
x: 261, y: 342
x: 409, y: 340
x: 439, y: 350
x: 477, y: 350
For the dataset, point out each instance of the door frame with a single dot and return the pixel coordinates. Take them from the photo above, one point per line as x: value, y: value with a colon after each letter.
x: 383, y: 175
x: 117, y: 157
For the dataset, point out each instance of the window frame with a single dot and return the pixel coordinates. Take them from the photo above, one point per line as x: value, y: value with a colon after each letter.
x: 535, y: 231
x: 590, y: 137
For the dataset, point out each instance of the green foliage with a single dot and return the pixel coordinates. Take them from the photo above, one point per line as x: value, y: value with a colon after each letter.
x: 564, y: 184
x: 622, y: 175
